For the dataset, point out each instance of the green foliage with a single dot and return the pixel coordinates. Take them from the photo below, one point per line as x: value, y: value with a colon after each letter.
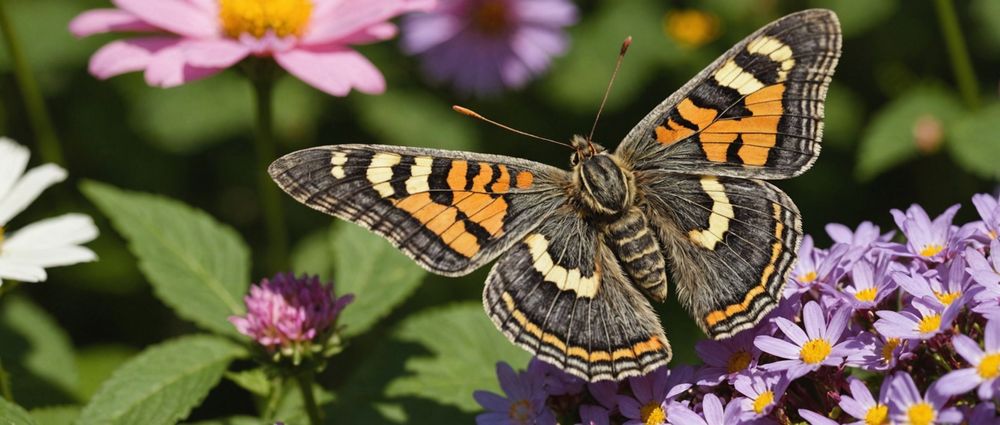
x: 253, y: 380
x: 196, y: 265
x: 58, y: 415
x: 987, y: 13
x: 96, y: 363
x: 974, y: 142
x: 232, y: 420
x: 38, y: 354
x: 379, y: 276
x: 890, y: 140
x: 11, y: 413
x: 163, y: 383
x: 462, y: 345
x: 417, y: 119
x: 858, y: 16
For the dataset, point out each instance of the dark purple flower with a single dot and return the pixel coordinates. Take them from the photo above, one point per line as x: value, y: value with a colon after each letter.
x: 985, y: 365
x: 862, y: 406
x: 984, y: 414
x: 594, y: 415
x: 924, y: 320
x: 557, y: 382
x: 653, y: 393
x: 524, y: 404
x: 290, y: 315
x: 819, y: 345
x: 483, y: 46
x: 908, y: 407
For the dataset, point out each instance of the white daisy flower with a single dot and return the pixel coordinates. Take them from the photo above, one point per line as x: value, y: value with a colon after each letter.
x: 52, y: 242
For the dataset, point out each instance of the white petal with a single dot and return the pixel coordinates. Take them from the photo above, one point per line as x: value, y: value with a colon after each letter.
x: 22, y: 272
x: 67, y: 229
x: 51, y: 257
x: 28, y: 188
x: 13, y: 160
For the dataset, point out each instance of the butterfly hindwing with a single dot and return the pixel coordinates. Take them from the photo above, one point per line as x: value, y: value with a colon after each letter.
x: 730, y: 243
x: 450, y: 211
x: 560, y: 294
x: 757, y: 111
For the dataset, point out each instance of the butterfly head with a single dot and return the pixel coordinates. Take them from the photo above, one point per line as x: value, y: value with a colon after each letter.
x: 605, y: 188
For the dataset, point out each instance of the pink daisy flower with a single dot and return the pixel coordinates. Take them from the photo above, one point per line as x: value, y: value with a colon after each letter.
x: 185, y: 40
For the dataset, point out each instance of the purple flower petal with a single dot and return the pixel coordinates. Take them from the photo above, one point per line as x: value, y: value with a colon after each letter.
x: 958, y: 382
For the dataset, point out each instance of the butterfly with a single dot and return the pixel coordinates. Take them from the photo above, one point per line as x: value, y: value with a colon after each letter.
x: 684, y: 195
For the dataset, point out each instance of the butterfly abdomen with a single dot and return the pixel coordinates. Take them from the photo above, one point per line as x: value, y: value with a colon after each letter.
x: 638, y: 252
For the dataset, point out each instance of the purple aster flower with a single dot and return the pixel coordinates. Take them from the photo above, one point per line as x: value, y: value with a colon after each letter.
x: 925, y: 319
x: 761, y: 392
x: 862, y: 406
x: 290, y: 316
x: 984, y: 414
x: 866, y: 234
x: 815, y: 266
x: 870, y: 284
x: 725, y: 358
x: 987, y: 275
x: 557, y: 382
x: 988, y: 208
x: 933, y: 241
x: 524, y: 404
x: 711, y: 408
x: 483, y: 46
x: 819, y: 345
x: 908, y: 407
x: 945, y: 284
x: 814, y: 418
x: 606, y: 395
x: 985, y: 365
x: 678, y: 414
x: 653, y: 394
x: 877, y: 353
x: 594, y: 415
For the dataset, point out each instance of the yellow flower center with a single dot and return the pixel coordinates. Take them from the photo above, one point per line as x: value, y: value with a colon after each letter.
x: 888, y: 348
x: 866, y: 295
x: 921, y: 414
x: 491, y: 17
x: 931, y: 250
x: 738, y: 361
x: 877, y: 415
x: 762, y: 401
x: 258, y: 17
x: 989, y: 366
x: 929, y: 324
x: 808, y: 277
x: 520, y: 411
x: 947, y: 298
x: 691, y: 27
x: 652, y: 414
x: 815, y: 351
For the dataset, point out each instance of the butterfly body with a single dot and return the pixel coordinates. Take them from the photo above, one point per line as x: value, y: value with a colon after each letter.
x: 681, y: 199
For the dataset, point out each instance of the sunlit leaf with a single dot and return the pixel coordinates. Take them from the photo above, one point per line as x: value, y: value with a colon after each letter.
x: 974, y: 142
x: 197, y: 266
x: 37, y: 353
x: 56, y: 415
x: 163, y: 383
x: 14, y: 414
x: 463, y: 347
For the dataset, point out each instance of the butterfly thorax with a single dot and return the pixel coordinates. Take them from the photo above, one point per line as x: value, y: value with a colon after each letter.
x: 603, y: 186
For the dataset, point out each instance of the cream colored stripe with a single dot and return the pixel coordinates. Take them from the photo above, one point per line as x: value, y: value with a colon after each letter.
x: 380, y: 172
x: 337, y: 161
x: 419, y: 171
x: 777, y: 51
x: 566, y: 280
x: 718, y: 221
x: 734, y: 77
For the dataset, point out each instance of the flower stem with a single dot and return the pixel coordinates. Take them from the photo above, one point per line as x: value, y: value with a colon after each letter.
x: 277, y: 391
x: 38, y: 116
x: 305, y: 381
x: 960, y: 62
x: 262, y: 76
x: 5, y: 390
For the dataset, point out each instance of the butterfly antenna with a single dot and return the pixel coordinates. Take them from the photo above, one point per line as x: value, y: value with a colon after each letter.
x: 618, y: 65
x: 474, y: 114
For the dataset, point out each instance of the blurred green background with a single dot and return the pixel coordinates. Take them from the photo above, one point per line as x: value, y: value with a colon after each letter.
x: 898, y: 131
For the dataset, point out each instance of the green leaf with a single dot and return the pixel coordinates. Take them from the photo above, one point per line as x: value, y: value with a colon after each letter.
x: 974, y: 142
x: 163, y: 383
x: 397, y: 116
x: 578, y: 81
x: 889, y: 139
x: 96, y: 364
x: 56, y: 415
x: 45, y: 38
x: 313, y: 255
x: 13, y: 414
x: 232, y: 420
x: 987, y: 14
x: 464, y: 347
x: 379, y: 276
x: 858, y: 16
x: 253, y: 380
x: 844, y: 115
x: 196, y: 265
x: 37, y: 353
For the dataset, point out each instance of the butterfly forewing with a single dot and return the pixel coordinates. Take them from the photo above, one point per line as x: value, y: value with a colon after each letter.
x: 757, y: 111
x: 450, y: 211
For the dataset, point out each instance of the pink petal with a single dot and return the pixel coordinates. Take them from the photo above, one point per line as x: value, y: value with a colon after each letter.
x: 372, y: 34
x: 333, y: 21
x: 107, y: 20
x: 168, y: 68
x: 214, y: 53
x: 333, y: 70
x: 119, y: 57
x: 173, y: 15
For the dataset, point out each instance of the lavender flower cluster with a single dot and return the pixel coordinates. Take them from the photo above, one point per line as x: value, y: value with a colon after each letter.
x: 918, y: 321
